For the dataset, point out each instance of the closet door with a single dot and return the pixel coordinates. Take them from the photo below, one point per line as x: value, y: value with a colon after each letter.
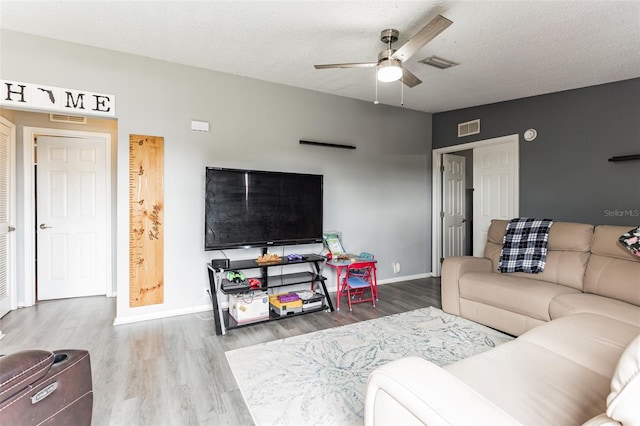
x: 7, y: 215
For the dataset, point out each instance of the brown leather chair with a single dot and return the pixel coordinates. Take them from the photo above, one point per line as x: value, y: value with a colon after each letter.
x: 42, y: 387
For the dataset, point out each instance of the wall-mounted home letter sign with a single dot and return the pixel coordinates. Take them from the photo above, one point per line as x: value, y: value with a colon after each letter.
x: 56, y: 99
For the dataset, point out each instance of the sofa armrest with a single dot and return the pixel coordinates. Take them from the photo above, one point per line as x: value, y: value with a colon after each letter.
x: 602, y: 420
x: 414, y: 391
x: 19, y: 370
x: 453, y: 268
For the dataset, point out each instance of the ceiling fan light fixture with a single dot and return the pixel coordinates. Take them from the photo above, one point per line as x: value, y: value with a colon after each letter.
x: 389, y: 70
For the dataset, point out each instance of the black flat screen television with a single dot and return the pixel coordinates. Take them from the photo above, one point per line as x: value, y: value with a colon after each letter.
x: 251, y: 208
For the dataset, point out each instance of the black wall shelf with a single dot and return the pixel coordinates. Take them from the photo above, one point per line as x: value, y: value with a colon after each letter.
x: 326, y: 144
x: 625, y: 158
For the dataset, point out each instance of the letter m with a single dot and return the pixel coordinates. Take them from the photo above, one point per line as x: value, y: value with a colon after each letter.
x: 78, y: 103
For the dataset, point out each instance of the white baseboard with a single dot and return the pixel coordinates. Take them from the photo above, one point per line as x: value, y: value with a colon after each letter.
x: 225, y: 304
x: 405, y: 278
x: 163, y: 314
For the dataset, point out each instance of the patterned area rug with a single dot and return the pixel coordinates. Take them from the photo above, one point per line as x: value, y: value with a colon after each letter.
x: 320, y: 378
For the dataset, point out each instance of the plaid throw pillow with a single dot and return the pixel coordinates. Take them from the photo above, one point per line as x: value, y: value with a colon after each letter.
x: 631, y: 240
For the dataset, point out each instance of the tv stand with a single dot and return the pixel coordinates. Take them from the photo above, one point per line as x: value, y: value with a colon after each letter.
x: 223, y: 321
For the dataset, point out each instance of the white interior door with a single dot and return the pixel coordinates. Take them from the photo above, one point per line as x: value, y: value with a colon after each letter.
x: 453, y: 205
x: 495, y: 195
x: 7, y: 215
x: 71, y: 215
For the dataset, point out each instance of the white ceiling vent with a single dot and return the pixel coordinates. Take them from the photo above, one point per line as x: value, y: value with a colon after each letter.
x: 469, y: 128
x: 63, y: 118
x: 437, y: 62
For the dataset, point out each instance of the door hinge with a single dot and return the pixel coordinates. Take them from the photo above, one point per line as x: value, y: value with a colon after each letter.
x: 441, y: 259
x: 441, y: 214
x: 442, y: 168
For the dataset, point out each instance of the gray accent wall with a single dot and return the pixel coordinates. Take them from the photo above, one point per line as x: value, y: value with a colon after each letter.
x: 564, y: 172
x: 378, y: 195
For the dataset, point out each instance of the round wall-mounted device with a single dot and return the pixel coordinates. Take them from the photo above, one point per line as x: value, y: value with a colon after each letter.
x: 530, y: 134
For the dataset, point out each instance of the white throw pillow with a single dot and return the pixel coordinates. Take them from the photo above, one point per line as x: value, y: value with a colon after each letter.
x: 623, y: 401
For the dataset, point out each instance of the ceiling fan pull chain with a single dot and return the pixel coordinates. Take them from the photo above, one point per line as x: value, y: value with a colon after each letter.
x: 375, y: 76
x: 402, y: 90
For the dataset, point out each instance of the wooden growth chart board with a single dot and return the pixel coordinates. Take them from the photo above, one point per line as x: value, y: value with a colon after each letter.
x: 146, y: 217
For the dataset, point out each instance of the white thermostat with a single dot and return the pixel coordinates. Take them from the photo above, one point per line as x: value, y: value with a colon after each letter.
x: 199, y: 126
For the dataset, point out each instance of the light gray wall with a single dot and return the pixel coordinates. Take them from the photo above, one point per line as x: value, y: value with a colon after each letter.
x: 564, y: 173
x: 377, y: 195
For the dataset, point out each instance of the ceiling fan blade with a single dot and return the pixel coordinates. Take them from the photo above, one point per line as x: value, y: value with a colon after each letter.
x: 352, y: 65
x: 409, y: 79
x: 422, y: 37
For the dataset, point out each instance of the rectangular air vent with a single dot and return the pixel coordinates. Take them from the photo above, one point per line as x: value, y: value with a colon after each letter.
x: 63, y: 118
x: 441, y: 63
x: 469, y: 128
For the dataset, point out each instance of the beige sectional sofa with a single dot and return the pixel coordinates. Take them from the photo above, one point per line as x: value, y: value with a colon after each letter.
x: 577, y: 357
x: 587, y: 270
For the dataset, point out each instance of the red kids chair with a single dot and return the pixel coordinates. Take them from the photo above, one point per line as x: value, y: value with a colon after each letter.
x: 359, y: 277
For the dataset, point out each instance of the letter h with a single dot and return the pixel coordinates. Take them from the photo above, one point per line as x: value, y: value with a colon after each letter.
x: 19, y: 92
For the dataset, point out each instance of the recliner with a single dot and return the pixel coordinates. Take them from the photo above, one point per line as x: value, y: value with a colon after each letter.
x: 43, y: 387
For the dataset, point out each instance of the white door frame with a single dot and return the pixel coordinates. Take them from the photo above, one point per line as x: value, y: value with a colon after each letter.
x: 29, y: 134
x: 436, y: 229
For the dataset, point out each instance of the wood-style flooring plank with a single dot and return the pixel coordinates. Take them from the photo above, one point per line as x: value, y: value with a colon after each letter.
x: 174, y: 371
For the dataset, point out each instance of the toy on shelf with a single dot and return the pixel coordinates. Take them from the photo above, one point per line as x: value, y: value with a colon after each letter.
x: 268, y: 258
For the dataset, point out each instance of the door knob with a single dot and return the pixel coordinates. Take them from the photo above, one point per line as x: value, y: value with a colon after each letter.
x: 11, y: 228
x: 464, y: 220
x: 43, y: 226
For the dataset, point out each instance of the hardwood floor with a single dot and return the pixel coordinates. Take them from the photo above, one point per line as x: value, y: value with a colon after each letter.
x: 173, y: 371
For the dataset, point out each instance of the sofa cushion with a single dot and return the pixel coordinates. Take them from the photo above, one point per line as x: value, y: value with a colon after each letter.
x: 533, y: 384
x: 501, y: 319
x: 567, y: 304
x: 558, y: 373
x: 567, y: 252
x: 562, y: 236
x: 606, y: 242
x: 524, y: 296
x: 612, y: 270
x: 593, y: 341
x: 622, y: 402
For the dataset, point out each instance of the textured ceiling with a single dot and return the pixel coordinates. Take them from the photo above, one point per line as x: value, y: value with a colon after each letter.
x: 506, y: 49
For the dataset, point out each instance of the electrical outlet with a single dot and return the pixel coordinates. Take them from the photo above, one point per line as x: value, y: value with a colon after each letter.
x: 396, y: 267
x: 206, y: 291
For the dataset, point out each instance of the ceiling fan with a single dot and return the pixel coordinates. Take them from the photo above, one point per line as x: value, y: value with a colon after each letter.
x: 389, y: 65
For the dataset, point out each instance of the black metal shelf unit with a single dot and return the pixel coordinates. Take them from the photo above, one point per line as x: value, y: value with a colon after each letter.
x: 224, y: 321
